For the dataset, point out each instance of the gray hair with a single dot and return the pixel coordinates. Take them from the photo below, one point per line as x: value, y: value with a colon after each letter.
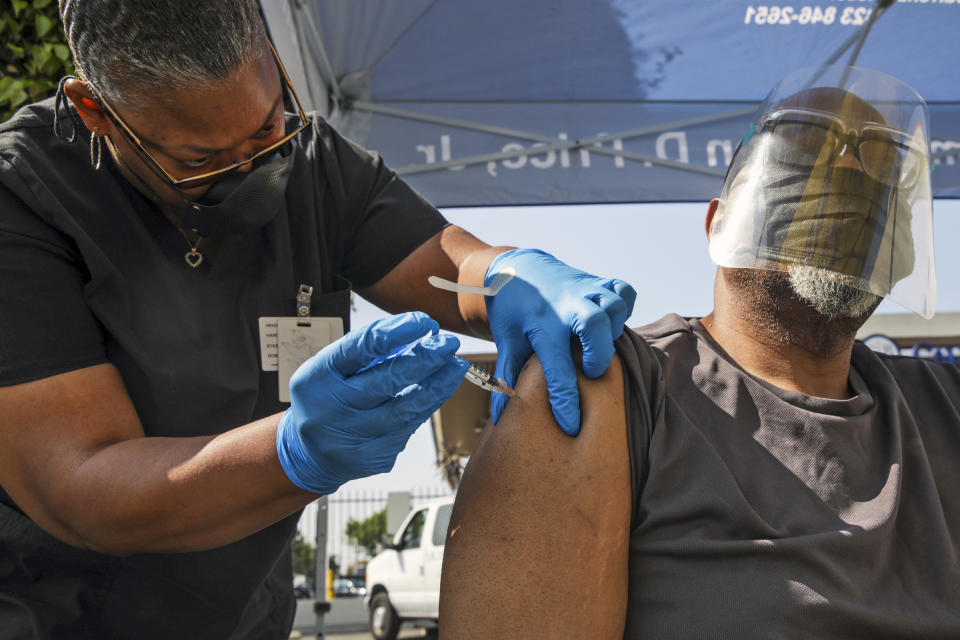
x: 131, y: 49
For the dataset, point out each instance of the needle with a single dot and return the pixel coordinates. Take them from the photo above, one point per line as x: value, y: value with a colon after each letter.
x: 484, y: 380
x: 474, y: 374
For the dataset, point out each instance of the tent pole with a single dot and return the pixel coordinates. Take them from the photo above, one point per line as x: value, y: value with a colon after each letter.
x: 574, y: 144
x: 864, y: 31
x: 860, y: 34
x: 551, y: 144
x: 516, y: 133
x: 325, y: 67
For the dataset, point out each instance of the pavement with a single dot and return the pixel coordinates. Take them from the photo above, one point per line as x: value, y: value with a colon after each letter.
x: 347, y: 620
x: 404, y: 634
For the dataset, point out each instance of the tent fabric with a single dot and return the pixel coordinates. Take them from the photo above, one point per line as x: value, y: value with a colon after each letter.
x: 508, y: 102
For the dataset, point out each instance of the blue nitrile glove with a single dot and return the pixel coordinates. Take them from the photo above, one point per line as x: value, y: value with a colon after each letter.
x: 538, y: 310
x: 344, y: 423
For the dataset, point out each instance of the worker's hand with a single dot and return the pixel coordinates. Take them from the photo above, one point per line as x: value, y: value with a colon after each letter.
x: 538, y: 310
x: 344, y: 423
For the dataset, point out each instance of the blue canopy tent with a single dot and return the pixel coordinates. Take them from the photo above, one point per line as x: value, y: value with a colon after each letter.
x: 507, y: 102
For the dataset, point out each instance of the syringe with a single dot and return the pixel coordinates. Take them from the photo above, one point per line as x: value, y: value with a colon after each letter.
x: 474, y: 374
x: 484, y: 380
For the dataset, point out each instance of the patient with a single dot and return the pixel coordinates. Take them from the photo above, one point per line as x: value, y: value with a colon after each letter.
x: 755, y: 473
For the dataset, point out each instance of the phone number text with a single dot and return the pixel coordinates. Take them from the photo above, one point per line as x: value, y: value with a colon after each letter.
x: 810, y: 14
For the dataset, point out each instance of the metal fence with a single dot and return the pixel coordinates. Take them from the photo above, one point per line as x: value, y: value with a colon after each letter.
x: 344, y: 506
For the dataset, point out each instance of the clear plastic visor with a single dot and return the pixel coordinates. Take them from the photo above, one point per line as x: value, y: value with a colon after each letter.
x: 839, y: 189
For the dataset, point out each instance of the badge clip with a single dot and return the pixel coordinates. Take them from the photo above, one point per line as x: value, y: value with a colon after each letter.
x: 303, y: 305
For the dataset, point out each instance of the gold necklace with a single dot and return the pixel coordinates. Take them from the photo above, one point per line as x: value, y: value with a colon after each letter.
x: 192, y: 257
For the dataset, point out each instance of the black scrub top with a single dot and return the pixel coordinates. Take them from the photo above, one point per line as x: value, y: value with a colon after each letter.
x: 91, y: 272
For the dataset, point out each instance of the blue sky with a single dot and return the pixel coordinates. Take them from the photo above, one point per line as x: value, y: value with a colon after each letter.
x: 659, y: 249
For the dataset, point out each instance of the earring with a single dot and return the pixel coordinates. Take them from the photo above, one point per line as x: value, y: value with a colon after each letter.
x: 96, y: 150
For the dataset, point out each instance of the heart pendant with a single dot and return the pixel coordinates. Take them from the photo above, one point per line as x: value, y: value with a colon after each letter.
x: 193, y: 258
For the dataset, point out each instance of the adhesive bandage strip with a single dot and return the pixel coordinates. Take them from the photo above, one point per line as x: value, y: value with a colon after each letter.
x: 496, y: 283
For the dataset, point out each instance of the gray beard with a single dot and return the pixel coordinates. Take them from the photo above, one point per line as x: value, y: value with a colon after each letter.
x: 769, y: 301
x: 830, y: 293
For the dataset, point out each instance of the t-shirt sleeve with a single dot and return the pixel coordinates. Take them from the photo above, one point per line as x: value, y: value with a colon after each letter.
x: 46, y: 327
x: 383, y: 220
x: 644, y: 405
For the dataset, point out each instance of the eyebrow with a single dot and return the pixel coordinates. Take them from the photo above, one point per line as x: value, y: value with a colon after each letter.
x: 197, y: 149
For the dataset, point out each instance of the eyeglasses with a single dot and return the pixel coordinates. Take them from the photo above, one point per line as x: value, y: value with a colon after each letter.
x: 810, y: 139
x: 211, y: 176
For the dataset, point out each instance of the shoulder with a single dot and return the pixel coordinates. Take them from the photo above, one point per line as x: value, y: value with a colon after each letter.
x: 539, y: 535
x: 34, y: 159
x: 671, y: 332
x: 352, y: 172
x: 905, y: 366
x: 29, y: 133
x: 662, y: 350
x: 527, y: 455
x: 332, y: 145
x: 529, y: 418
x: 527, y: 448
x: 919, y: 379
x: 38, y: 115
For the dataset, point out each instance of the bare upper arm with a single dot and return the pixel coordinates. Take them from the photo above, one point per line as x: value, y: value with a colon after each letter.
x: 452, y: 254
x: 539, y: 536
x: 49, y: 427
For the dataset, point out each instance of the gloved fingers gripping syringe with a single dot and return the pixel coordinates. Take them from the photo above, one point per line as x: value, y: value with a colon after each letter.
x: 342, y: 425
x: 474, y: 374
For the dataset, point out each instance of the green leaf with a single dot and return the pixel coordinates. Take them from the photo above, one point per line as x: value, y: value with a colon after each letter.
x: 39, y: 54
x: 18, y: 98
x: 368, y: 533
x: 42, y: 88
x: 15, y: 85
x: 43, y: 25
x: 33, y: 52
x: 52, y: 69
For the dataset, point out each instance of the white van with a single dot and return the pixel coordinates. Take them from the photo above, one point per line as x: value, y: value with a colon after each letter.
x: 403, y: 580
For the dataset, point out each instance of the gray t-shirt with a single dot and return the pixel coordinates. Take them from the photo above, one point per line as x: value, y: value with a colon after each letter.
x: 765, y: 513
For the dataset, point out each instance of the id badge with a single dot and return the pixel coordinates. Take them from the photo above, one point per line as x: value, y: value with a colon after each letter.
x: 286, y: 343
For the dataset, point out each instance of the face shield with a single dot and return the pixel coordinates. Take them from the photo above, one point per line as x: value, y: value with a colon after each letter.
x: 835, y: 175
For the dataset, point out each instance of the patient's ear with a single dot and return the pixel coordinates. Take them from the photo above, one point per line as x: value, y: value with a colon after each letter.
x: 711, y: 209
